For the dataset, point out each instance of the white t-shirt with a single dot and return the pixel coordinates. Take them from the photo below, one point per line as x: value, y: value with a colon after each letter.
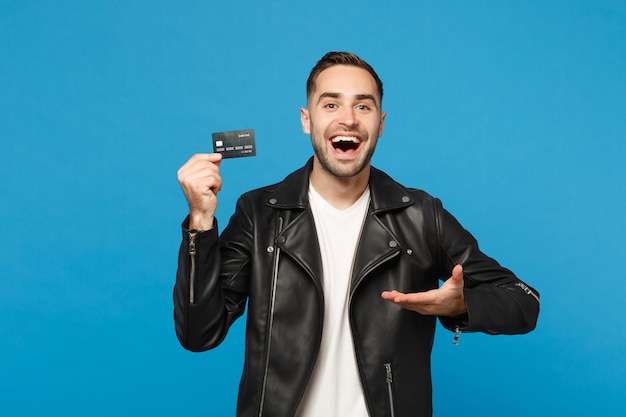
x: 335, y: 387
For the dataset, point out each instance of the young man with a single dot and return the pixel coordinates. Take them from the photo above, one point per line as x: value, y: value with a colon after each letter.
x: 340, y: 268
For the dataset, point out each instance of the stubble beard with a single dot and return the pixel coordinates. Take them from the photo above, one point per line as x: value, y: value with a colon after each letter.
x: 338, y: 169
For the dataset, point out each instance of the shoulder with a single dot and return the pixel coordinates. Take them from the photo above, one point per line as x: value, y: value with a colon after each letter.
x: 291, y: 192
x: 390, y: 192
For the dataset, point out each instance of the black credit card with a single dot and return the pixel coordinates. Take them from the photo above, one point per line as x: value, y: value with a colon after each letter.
x: 234, y: 144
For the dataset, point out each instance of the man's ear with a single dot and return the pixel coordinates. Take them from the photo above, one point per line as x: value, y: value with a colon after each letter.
x: 305, y: 119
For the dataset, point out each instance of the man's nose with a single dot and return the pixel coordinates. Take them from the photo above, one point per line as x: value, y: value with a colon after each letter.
x: 347, y: 116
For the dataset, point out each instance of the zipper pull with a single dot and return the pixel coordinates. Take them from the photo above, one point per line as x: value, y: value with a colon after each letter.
x: 192, y: 243
x: 457, y: 334
x: 389, y: 375
x: 389, y: 379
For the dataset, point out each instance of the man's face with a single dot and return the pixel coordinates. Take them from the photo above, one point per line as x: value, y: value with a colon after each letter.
x: 344, y: 119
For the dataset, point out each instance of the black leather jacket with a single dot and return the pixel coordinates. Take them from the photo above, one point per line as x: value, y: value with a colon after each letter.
x: 268, y: 256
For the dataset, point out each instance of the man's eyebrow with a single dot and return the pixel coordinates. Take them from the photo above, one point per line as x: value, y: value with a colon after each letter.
x: 328, y: 95
x: 358, y: 97
x: 361, y: 97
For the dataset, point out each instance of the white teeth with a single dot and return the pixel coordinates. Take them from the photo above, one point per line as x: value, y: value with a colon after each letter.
x: 345, y: 139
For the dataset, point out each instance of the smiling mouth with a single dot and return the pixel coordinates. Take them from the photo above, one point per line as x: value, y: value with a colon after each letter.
x: 345, y: 143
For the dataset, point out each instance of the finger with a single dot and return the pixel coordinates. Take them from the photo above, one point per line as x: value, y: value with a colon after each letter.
x: 201, y: 169
x: 211, y: 157
x: 457, y: 271
x: 215, y: 158
x: 422, y: 302
x: 201, y: 180
x: 199, y: 162
x: 407, y: 298
x: 201, y: 159
x: 389, y: 295
x: 457, y: 275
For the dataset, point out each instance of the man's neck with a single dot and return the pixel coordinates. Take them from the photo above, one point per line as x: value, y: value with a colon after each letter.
x: 340, y: 193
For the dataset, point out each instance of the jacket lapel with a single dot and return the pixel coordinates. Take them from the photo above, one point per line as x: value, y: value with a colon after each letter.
x: 376, y: 246
x: 299, y: 241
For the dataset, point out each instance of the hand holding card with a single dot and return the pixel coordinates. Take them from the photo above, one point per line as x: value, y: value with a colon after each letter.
x: 234, y: 144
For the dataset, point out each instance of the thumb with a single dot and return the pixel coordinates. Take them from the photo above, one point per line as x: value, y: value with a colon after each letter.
x: 457, y: 275
x: 216, y: 158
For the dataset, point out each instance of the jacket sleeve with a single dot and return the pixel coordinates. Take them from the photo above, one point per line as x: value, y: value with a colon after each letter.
x: 497, y: 301
x: 211, y: 282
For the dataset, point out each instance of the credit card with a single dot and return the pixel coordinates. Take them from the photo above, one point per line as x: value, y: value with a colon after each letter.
x: 234, y: 144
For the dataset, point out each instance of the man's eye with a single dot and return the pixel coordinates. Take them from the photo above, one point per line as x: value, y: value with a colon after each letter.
x: 362, y: 107
x: 331, y: 106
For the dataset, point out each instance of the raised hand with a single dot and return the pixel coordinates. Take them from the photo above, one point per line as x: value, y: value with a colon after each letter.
x: 200, y: 180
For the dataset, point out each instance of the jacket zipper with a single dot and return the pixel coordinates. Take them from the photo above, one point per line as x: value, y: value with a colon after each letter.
x: 192, y: 272
x: 271, y: 317
x: 527, y: 290
x: 389, y: 379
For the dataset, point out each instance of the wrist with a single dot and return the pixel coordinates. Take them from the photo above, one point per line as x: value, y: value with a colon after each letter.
x: 201, y: 221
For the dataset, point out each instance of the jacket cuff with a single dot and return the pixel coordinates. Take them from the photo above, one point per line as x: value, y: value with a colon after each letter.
x: 185, y: 227
x: 454, y: 323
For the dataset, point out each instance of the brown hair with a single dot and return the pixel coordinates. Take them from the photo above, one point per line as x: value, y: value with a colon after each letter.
x: 341, y: 58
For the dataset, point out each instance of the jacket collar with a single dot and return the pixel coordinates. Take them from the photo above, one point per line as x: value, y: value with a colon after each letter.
x: 385, y: 193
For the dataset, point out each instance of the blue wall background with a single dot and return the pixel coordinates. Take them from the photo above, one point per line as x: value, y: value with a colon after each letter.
x: 513, y: 113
